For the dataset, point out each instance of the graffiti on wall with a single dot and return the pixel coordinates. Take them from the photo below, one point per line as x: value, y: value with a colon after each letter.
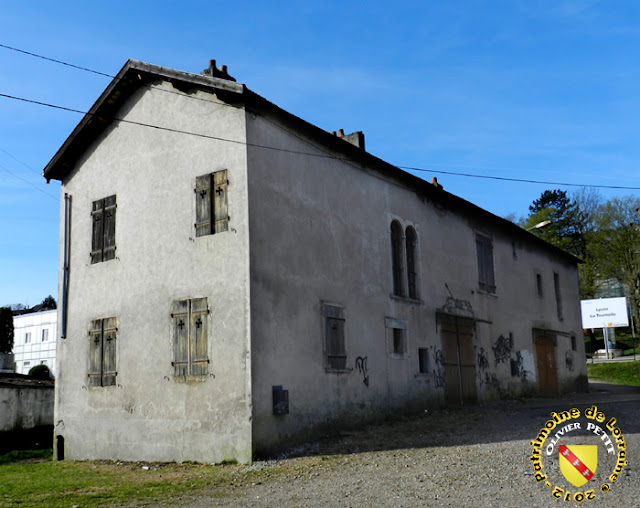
x: 568, y: 360
x: 518, y: 368
x: 483, y: 361
x: 361, y: 365
x: 502, y: 348
x: 438, y: 367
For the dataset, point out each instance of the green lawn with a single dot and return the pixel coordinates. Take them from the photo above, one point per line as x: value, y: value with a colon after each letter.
x: 620, y: 373
x: 27, y: 479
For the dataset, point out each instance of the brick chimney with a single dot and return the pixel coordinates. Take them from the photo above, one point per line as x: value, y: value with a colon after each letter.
x: 217, y: 73
x: 355, y: 138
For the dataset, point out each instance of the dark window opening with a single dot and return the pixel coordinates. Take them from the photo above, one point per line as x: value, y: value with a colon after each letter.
x: 423, y: 360
x: 539, y: 285
x: 397, y: 256
x: 412, y: 274
x: 556, y: 286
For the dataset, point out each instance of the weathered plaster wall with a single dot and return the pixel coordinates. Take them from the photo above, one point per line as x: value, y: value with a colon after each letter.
x: 149, y: 415
x: 320, y: 231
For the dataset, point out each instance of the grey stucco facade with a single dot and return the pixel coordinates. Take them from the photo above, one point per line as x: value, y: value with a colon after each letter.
x: 304, y: 287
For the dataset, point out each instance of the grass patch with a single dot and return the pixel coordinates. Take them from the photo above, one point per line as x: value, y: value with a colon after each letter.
x: 105, y: 483
x: 628, y: 352
x: 620, y: 373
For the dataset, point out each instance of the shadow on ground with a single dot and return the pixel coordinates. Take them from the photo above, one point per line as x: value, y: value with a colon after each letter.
x: 497, y: 421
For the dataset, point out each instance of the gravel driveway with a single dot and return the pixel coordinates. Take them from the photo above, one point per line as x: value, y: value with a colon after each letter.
x: 476, y: 456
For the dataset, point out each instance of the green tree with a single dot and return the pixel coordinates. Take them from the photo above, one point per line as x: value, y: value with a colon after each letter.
x: 49, y: 302
x: 6, y: 330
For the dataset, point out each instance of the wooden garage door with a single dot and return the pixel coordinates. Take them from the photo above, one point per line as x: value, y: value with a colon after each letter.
x: 547, y: 374
x: 459, y: 360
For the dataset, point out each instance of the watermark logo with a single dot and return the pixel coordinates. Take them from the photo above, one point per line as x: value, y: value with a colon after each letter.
x: 577, y: 450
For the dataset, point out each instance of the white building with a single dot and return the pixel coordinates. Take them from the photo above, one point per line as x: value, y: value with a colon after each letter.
x: 235, y: 279
x: 34, y: 341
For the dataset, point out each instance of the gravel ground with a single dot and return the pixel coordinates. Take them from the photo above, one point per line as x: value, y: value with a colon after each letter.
x: 477, y: 456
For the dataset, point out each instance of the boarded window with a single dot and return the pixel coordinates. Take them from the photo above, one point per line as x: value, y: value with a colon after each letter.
x: 336, y: 354
x: 212, y: 214
x: 397, y: 258
x: 423, y: 360
x: 102, y: 352
x: 486, y: 277
x: 190, y: 332
x: 411, y: 238
x: 103, y: 240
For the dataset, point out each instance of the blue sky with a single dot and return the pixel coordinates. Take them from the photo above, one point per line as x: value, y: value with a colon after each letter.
x: 534, y: 90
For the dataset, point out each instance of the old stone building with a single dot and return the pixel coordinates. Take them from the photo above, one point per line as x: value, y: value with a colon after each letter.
x: 235, y: 279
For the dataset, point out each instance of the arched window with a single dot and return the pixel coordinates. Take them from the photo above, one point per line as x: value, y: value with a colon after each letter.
x: 411, y: 238
x: 397, y: 258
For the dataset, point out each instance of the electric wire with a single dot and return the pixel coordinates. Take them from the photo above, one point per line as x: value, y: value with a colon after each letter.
x: 325, y: 155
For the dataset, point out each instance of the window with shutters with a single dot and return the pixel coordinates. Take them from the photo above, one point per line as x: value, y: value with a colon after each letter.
x: 103, y: 240
x: 190, y: 319
x: 102, y: 352
x: 335, y: 348
x: 486, y: 276
x: 212, y: 214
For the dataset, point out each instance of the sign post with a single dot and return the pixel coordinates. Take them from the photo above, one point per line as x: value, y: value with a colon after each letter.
x: 604, y: 313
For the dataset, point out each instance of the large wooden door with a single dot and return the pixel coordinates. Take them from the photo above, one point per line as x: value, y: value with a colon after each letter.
x: 459, y: 360
x: 547, y: 374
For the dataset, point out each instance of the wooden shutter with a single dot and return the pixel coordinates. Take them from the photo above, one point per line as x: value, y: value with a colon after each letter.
x: 221, y: 212
x: 95, y: 353
x: 97, y: 237
x: 486, y: 280
x: 180, y: 316
x: 109, y: 240
x: 334, y: 330
x: 198, y: 337
x: 109, y: 333
x: 203, y: 205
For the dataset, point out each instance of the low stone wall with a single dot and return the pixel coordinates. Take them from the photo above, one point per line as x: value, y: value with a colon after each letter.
x: 25, y: 403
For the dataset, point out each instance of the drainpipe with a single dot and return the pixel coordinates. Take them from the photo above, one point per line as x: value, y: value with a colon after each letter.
x: 65, y: 264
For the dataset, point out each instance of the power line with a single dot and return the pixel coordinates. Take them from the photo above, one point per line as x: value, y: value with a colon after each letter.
x: 520, y: 180
x: 466, y: 175
x: 329, y: 156
x: 29, y: 183
x: 86, y: 69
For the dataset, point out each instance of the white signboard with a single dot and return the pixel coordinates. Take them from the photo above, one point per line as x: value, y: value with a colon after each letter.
x: 604, y: 313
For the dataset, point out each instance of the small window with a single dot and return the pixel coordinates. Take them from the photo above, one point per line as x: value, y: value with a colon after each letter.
x: 539, y: 285
x: 396, y: 337
x: 102, y: 352
x: 411, y: 238
x: 335, y: 350
x: 27, y: 337
x: 397, y: 258
x: 573, y: 343
x: 486, y: 276
x: 212, y: 214
x: 556, y: 287
x: 190, y: 324
x: 45, y: 335
x: 423, y: 360
x: 103, y: 240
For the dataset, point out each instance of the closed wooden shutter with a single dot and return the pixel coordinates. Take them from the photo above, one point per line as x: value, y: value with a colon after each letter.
x: 198, y: 337
x: 221, y: 212
x: 109, y: 241
x: 97, y: 237
x: 109, y: 333
x: 180, y: 316
x: 203, y: 205
x: 486, y: 279
x: 334, y: 330
x: 95, y: 353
